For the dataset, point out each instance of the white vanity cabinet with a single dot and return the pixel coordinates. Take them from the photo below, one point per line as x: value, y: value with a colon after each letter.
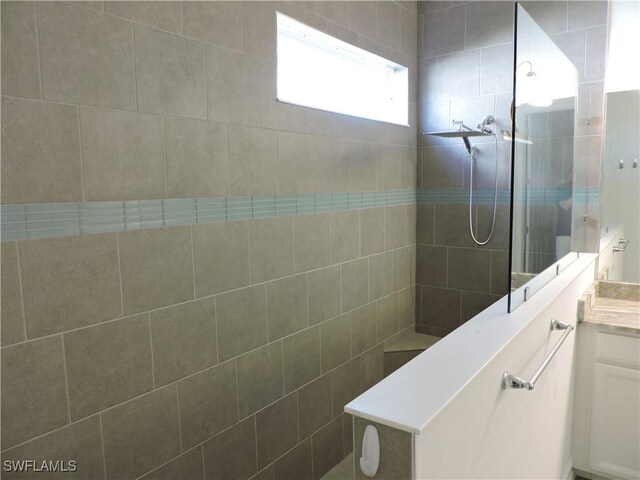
x: 607, y: 402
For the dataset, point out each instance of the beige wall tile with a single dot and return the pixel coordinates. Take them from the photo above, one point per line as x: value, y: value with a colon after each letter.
x: 371, y: 367
x: 208, y: 403
x: 286, y: 306
x: 234, y: 91
x: 242, y: 321
x: 395, y: 227
x: 253, y: 156
x: 108, y: 364
x: 296, y: 463
x: 259, y: 28
x: 469, y: 269
x: 431, y: 265
x: 345, y: 236
x: 142, y: 434
x: 402, y: 261
x: 372, y: 235
x: 387, y: 317
x: 388, y: 168
x: 314, y: 404
x: 270, y: 248
x: 345, y: 384
x: 301, y: 353
x: 86, y: 57
x: 184, y: 340
x: 362, y: 166
x: 163, y: 15
x: 335, y: 339
x: 197, y: 156
x: 362, y: 18
x: 331, y: 172
x: 79, y: 441
x: 20, y: 64
x: 34, y: 392
x: 380, y: 275
x: 327, y: 447
x: 311, y: 241
x: 40, y: 152
x: 324, y: 294
x: 219, y: 23
x: 12, y: 318
x: 337, y: 11
x: 363, y: 331
x: 156, y: 268
x: 406, y: 307
x: 170, y: 76
x: 260, y: 378
x: 297, y: 162
x: 232, y: 454
x: 188, y: 465
x: 123, y: 155
x: 277, y: 429
x: 221, y: 257
x: 355, y: 278
x: 69, y: 282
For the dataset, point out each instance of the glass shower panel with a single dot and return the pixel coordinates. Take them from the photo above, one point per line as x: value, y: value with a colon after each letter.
x: 545, y: 201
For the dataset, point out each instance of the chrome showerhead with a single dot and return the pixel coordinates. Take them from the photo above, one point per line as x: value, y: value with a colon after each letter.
x: 459, y: 134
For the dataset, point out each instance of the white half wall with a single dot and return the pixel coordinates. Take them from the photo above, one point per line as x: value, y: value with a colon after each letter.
x: 487, y: 432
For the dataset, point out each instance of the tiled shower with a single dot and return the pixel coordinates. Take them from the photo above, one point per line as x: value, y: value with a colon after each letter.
x: 196, y: 278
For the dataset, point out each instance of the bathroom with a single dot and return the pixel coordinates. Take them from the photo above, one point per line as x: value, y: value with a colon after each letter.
x: 205, y: 277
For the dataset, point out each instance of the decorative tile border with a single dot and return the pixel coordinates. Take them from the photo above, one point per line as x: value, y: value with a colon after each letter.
x: 20, y: 222
x: 532, y: 196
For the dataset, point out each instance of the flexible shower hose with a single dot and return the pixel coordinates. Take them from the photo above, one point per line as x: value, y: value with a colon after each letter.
x: 495, y: 195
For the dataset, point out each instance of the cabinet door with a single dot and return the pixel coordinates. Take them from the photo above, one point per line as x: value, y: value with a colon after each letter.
x: 615, y: 421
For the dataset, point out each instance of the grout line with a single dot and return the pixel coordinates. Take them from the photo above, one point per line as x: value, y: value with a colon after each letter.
x: 82, y: 175
x: 153, y: 369
x: 104, y: 456
x: 282, y: 355
x: 306, y: 278
x: 164, y: 157
x: 193, y: 262
x: 135, y: 73
x: 176, y: 385
x: 215, y: 321
x: 182, y: 26
x: 255, y: 429
x: 206, y: 77
x: 298, y: 414
x: 20, y: 281
x: 66, y: 376
x: 204, y: 468
x: 35, y: 13
x: 235, y: 368
x: 122, y: 110
x: 120, y: 275
x: 179, y: 417
x: 214, y: 296
x: 249, y: 251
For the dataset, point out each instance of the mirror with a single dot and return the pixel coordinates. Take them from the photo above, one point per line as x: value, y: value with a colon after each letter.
x: 620, y: 191
x: 544, y: 191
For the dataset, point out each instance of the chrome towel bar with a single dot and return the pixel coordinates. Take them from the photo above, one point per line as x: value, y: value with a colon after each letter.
x: 511, y: 381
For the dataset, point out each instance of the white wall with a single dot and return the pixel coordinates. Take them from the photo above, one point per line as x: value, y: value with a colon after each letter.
x: 620, y: 195
x: 485, y: 432
x: 607, y: 259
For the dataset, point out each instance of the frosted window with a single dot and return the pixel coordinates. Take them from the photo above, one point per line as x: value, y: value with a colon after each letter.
x: 319, y: 71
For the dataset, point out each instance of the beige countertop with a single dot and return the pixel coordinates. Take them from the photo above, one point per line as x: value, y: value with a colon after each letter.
x: 622, y: 312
